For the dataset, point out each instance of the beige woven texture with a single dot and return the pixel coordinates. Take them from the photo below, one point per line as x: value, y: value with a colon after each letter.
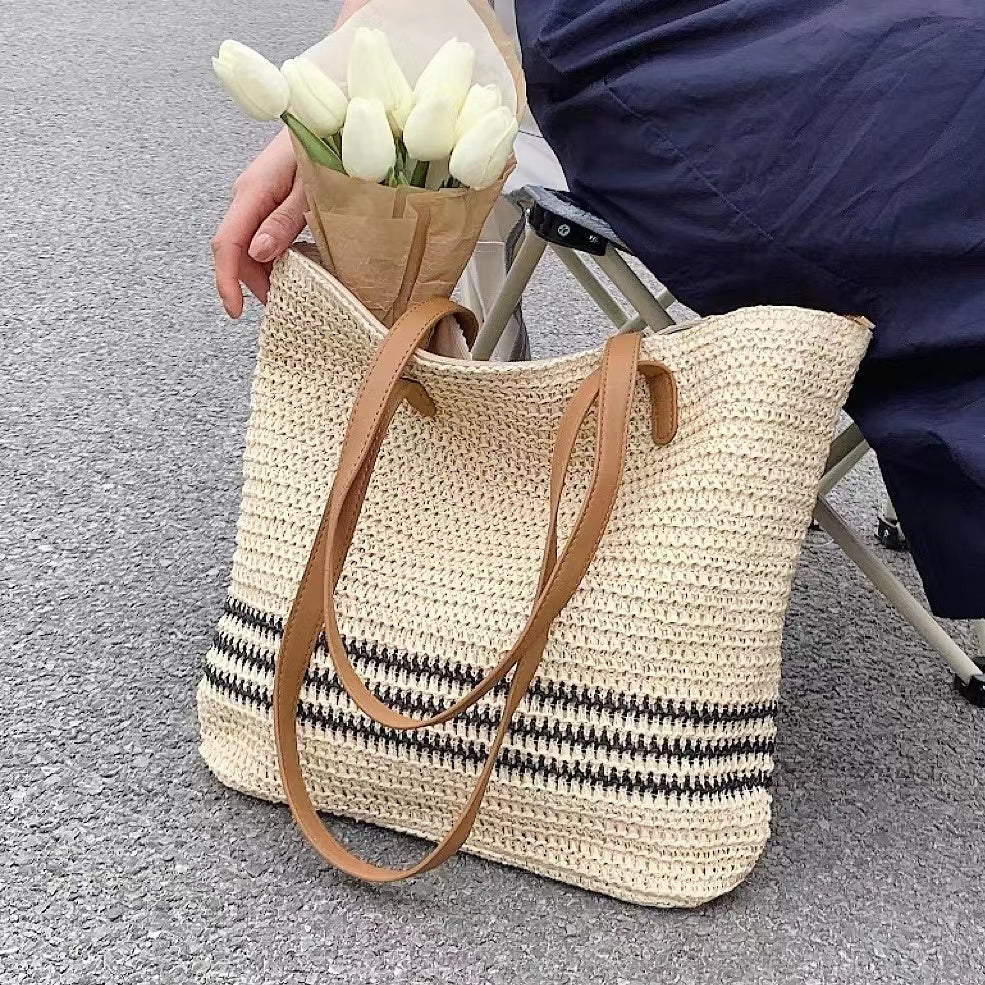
x: 680, y: 614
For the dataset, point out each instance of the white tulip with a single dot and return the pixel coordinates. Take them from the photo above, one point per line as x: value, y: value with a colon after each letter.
x: 315, y: 98
x: 368, y: 150
x: 429, y: 133
x: 256, y: 85
x: 450, y: 70
x: 373, y: 73
x: 480, y: 156
x: 479, y: 101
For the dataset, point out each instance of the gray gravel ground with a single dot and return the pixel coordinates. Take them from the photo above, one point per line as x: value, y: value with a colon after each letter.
x: 123, y: 400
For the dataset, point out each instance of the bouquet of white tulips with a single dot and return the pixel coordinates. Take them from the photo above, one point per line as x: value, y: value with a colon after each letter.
x: 399, y: 177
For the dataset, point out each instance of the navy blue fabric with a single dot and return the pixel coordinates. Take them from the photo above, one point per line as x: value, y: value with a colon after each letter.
x: 825, y: 153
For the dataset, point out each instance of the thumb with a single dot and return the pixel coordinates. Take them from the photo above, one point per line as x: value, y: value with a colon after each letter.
x: 281, y: 228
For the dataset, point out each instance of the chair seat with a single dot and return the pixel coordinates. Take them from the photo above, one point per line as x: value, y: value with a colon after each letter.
x: 566, y: 206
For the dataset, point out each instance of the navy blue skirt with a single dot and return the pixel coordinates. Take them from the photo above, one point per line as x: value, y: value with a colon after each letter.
x: 824, y: 153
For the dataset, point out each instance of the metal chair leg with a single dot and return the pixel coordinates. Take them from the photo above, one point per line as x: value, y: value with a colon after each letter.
x: 615, y: 267
x: 527, y: 258
x: 846, y: 452
x: 970, y: 676
x: 843, y: 445
x: 606, y: 303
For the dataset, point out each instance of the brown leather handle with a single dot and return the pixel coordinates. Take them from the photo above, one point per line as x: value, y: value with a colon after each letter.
x: 611, y: 388
x: 559, y: 578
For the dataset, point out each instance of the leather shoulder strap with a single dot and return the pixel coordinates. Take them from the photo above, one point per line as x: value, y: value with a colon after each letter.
x: 611, y: 388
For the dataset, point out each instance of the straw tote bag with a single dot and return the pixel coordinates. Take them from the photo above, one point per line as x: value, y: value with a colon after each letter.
x: 542, y: 608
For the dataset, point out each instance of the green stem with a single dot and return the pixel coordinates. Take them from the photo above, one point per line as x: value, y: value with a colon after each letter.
x: 395, y: 177
x: 315, y: 148
x: 420, y: 176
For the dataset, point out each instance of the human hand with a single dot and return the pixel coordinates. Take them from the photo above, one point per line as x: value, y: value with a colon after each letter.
x: 264, y: 218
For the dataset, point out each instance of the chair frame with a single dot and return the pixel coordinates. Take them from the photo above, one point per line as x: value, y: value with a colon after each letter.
x: 553, y: 227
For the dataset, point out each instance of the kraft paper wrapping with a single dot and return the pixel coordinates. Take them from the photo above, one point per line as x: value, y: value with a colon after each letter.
x: 393, y: 247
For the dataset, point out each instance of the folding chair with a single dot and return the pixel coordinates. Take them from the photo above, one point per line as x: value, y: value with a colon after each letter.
x: 554, y: 220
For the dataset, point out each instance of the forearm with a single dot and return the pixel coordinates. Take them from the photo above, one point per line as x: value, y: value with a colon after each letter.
x: 349, y: 7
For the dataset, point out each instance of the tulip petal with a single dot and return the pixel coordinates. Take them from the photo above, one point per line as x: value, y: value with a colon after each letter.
x: 368, y: 148
x: 315, y: 98
x: 429, y: 133
x: 255, y: 85
x: 450, y: 70
x: 481, y: 154
x: 373, y: 73
x: 222, y: 69
x: 480, y: 100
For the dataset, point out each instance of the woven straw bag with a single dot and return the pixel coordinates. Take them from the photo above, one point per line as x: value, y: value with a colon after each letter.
x: 591, y: 614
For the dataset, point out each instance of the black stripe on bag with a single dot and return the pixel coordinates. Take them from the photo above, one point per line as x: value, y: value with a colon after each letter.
x: 442, y: 749
x: 687, y: 753
x: 612, y: 742
x: 546, y: 694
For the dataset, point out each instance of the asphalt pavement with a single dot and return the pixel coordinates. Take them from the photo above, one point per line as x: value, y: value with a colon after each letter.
x: 123, y: 402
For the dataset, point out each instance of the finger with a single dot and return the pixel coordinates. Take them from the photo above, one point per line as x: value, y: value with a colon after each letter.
x: 257, y: 193
x: 227, y: 256
x: 229, y: 245
x: 256, y: 276
x: 281, y: 228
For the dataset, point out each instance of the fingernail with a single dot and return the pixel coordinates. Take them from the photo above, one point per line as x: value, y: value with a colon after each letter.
x: 262, y: 248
